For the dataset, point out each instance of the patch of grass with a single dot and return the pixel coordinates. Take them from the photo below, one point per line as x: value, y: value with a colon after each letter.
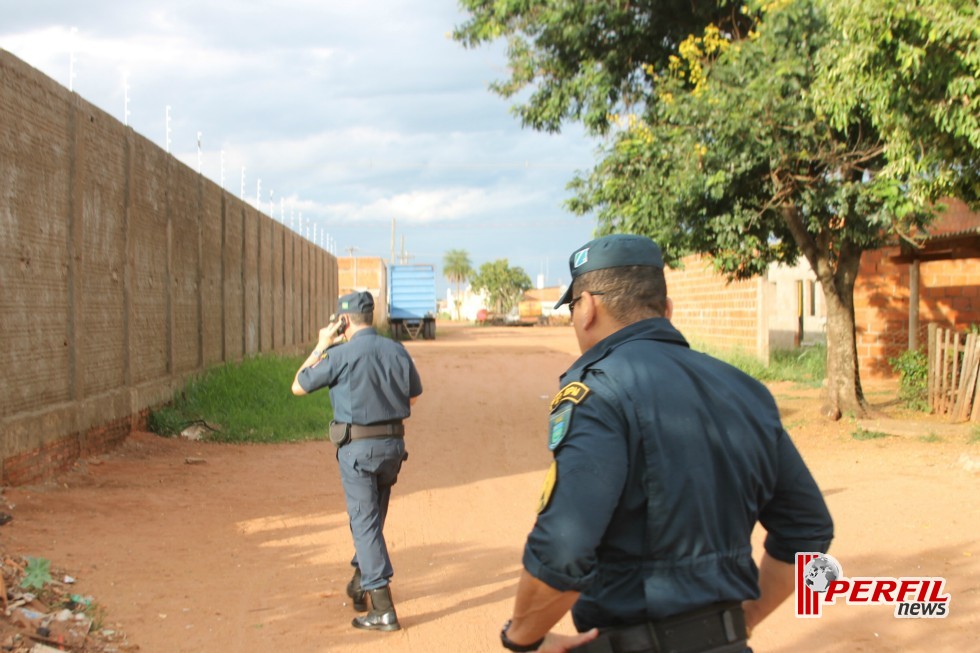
x: 806, y: 366
x: 250, y: 401
x: 974, y: 437
x: 932, y: 437
x: 864, y: 434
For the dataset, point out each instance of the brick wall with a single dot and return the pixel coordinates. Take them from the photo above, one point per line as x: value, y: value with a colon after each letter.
x: 370, y: 273
x: 949, y: 295
x: 710, y: 311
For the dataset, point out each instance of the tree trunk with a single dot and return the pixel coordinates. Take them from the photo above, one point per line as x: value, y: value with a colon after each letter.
x: 837, y: 274
x: 843, y: 393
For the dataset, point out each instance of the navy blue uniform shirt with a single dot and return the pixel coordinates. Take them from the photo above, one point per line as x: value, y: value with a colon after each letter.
x: 371, y: 379
x: 666, y: 459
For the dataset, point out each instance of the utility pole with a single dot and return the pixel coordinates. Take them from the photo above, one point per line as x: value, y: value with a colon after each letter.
x: 350, y: 252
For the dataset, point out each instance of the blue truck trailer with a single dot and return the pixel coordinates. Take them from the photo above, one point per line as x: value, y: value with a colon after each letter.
x: 412, y: 301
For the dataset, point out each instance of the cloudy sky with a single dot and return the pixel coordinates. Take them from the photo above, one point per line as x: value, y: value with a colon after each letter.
x: 350, y: 114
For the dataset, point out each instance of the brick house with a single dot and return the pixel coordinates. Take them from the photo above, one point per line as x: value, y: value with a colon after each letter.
x: 785, y: 309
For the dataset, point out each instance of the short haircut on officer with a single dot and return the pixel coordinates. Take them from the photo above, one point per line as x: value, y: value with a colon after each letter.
x: 630, y: 293
x: 362, y: 319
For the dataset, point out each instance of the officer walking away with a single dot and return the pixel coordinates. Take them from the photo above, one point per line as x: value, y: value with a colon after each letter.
x: 373, y: 384
x: 664, y: 460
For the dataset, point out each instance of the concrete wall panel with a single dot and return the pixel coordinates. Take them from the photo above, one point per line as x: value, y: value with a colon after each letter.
x: 212, y: 228
x: 250, y: 264
x: 233, y: 253
x: 278, y: 309
x: 265, y: 283
x: 185, y: 218
x: 35, y: 180
x: 150, y: 237
x: 100, y: 303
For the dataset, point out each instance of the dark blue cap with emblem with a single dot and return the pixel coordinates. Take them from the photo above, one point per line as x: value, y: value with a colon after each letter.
x: 617, y: 250
x: 355, y: 302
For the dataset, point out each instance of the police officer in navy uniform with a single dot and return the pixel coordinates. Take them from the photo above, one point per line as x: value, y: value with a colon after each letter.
x: 373, y: 383
x: 664, y: 461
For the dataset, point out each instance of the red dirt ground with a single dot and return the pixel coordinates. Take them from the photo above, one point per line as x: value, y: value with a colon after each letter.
x: 248, y: 551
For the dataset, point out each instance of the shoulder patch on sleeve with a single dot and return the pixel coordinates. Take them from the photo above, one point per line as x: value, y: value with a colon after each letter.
x: 549, y: 486
x: 558, y: 426
x: 574, y: 392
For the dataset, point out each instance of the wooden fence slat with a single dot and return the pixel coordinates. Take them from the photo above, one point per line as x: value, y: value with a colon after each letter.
x: 975, y: 415
x: 964, y: 391
x: 931, y: 364
x: 954, y: 376
x: 944, y: 372
x: 975, y: 392
x: 938, y: 370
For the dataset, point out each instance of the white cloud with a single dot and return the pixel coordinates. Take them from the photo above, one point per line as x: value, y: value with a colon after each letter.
x: 351, y: 118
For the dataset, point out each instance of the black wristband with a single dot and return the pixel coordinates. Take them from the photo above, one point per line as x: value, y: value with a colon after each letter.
x: 520, y: 648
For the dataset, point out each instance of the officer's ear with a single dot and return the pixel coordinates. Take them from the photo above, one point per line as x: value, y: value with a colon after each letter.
x: 669, y: 310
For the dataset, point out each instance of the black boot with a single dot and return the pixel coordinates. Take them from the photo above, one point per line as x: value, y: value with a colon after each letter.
x: 354, y: 591
x: 382, y: 615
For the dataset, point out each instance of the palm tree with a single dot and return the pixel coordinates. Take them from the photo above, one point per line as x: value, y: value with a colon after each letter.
x: 457, y: 269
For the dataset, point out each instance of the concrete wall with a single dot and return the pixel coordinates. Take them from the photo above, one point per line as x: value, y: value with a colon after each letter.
x: 122, y: 272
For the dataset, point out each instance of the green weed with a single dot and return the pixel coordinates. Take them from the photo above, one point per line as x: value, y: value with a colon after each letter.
x: 863, y: 434
x: 250, y: 401
x: 37, y: 574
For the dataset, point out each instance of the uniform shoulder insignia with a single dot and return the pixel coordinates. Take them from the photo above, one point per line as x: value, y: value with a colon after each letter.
x: 574, y: 392
x: 549, y: 486
x: 558, y: 426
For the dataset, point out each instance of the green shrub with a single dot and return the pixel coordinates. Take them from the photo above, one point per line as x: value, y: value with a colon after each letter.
x: 913, y: 370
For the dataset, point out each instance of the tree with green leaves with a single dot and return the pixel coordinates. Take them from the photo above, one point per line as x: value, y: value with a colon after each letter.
x: 504, y: 285
x: 457, y: 269
x: 724, y: 136
x: 911, y: 68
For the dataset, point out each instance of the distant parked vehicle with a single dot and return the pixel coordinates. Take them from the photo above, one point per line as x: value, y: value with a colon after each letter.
x: 412, y: 301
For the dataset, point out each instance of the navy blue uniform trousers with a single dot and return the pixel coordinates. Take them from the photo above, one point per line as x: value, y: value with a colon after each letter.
x: 368, y: 469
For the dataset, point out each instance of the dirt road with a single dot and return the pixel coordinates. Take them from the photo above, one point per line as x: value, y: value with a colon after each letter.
x: 248, y: 551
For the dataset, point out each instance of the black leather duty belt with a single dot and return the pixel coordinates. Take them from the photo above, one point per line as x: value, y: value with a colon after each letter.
x: 717, y: 629
x: 392, y: 430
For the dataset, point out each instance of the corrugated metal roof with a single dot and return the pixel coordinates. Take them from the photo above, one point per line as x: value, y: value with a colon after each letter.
x: 975, y: 231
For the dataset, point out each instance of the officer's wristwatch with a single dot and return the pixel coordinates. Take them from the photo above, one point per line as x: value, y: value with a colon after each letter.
x: 521, y: 648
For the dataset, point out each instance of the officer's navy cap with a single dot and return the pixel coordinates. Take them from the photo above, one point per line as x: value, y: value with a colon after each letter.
x: 355, y: 302
x: 617, y: 250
